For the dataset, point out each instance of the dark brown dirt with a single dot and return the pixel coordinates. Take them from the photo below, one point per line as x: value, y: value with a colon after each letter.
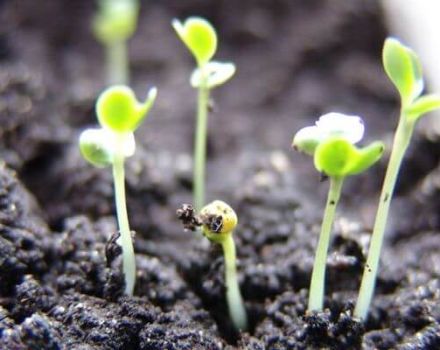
x: 296, y: 60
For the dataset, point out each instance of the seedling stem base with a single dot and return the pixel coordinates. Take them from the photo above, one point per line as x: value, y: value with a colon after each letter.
x: 401, y: 141
x: 128, y: 257
x: 316, y: 297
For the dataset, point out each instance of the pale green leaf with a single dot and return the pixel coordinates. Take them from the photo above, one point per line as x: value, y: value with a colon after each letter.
x: 214, y: 74
x: 307, y: 139
x: 404, y: 69
x: 423, y: 105
x: 99, y: 145
x: 115, y: 20
x: 94, y: 148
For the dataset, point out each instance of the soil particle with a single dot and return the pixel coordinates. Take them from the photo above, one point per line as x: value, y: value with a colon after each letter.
x: 22, y: 233
x: 31, y: 298
x: 35, y: 332
x: 28, y: 133
x: 187, y: 216
x: 301, y: 330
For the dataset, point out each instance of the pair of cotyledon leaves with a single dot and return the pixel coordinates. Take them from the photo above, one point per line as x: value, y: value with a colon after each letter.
x: 404, y: 69
x: 331, y: 143
x: 119, y: 114
x: 200, y: 38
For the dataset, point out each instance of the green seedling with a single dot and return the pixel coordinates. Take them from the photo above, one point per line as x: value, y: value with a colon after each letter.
x: 119, y: 115
x: 114, y: 23
x: 404, y: 70
x: 218, y: 221
x: 200, y: 38
x: 330, y: 142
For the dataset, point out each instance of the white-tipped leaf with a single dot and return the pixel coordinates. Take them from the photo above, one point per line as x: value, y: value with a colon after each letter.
x: 216, y: 73
x: 348, y: 127
x: 99, y: 145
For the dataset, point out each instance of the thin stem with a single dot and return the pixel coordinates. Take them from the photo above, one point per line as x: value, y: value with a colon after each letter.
x: 117, y: 63
x: 237, y: 311
x: 401, y: 141
x: 128, y: 257
x: 200, y: 144
x: 316, y: 296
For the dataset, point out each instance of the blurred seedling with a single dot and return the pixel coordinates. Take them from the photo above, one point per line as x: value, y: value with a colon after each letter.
x: 119, y: 115
x: 404, y: 70
x: 114, y: 23
x: 218, y: 221
x: 331, y: 143
x: 200, y: 38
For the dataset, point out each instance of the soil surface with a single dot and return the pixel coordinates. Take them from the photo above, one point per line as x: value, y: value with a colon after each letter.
x: 60, y: 288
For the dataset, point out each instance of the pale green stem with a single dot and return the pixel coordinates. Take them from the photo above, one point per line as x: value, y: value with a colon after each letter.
x: 316, y: 292
x: 128, y: 257
x: 237, y: 311
x: 200, y: 144
x: 117, y: 63
x: 401, y: 141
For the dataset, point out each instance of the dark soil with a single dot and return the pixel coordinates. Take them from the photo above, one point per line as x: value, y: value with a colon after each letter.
x: 296, y: 60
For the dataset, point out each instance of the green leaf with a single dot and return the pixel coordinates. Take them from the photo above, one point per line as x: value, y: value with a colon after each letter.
x: 337, y: 157
x: 307, y: 139
x: 199, y: 36
x: 142, y: 109
x: 216, y: 73
x: 94, y: 148
x: 423, y: 105
x: 333, y: 156
x: 404, y: 69
x: 366, y: 157
x: 98, y: 146
x: 116, y: 20
x: 118, y: 110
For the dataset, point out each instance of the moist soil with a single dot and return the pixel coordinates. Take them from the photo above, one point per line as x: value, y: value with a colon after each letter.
x: 61, y: 285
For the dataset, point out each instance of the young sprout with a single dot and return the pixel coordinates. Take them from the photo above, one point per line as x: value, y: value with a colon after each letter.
x: 330, y: 142
x: 200, y: 38
x: 114, y: 23
x: 119, y: 114
x: 404, y: 70
x: 218, y: 220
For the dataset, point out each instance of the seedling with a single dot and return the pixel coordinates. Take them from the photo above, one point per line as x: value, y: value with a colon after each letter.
x: 404, y: 70
x: 200, y: 38
x: 218, y: 220
x: 330, y: 142
x: 114, y: 23
x: 119, y: 114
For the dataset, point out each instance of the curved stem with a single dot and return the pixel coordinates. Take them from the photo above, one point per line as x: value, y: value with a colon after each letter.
x: 401, y: 141
x: 117, y: 63
x: 128, y: 257
x: 237, y: 311
x: 316, y: 292
x: 200, y: 144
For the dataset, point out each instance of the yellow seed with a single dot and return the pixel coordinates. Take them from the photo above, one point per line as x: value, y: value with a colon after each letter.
x: 219, y: 209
